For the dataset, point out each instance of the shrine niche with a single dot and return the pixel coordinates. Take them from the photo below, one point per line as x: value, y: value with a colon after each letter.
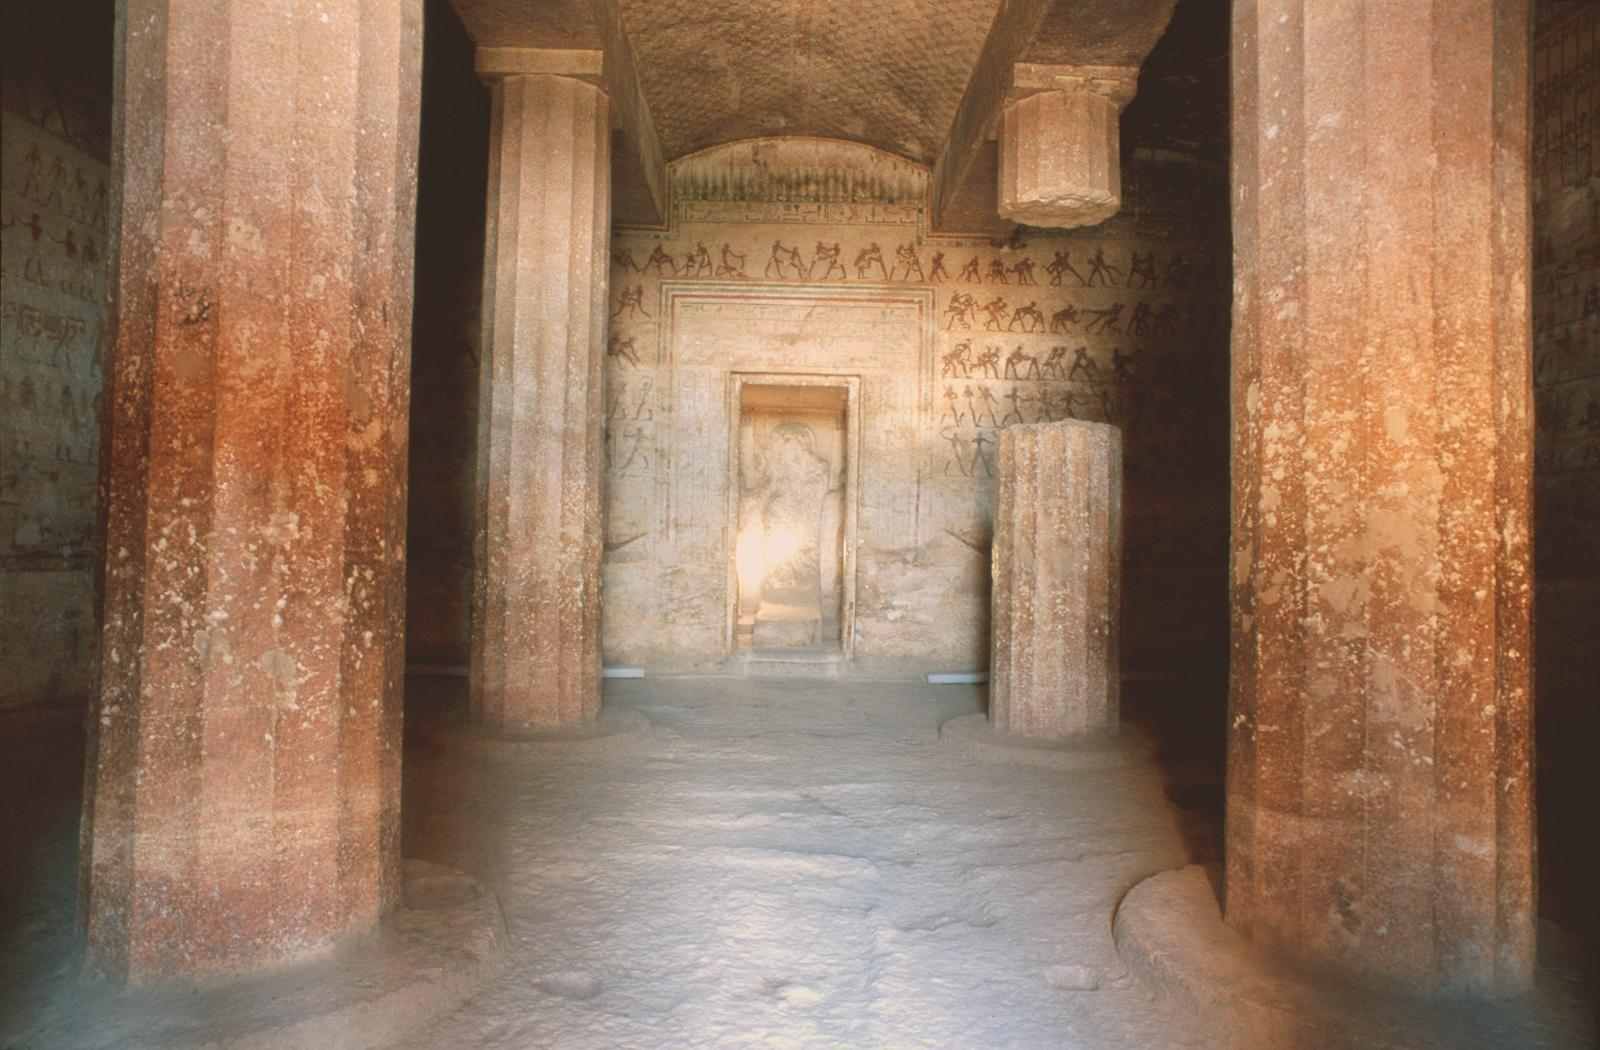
x: 792, y: 510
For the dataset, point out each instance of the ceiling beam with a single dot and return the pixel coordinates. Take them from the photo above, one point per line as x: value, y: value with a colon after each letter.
x: 1025, y: 33
x: 592, y: 45
x: 641, y: 166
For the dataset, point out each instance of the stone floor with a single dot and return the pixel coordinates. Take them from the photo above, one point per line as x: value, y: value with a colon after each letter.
x: 756, y: 864
x: 785, y: 864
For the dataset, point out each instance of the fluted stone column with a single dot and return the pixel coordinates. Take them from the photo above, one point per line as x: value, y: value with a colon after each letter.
x: 243, y: 779
x: 1060, y: 144
x: 1057, y: 564
x: 1380, y: 795
x: 536, y: 623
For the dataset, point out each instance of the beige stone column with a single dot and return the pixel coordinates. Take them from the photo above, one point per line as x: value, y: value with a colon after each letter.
x: 1053, y: 667
x: 1380, y: 796
x: 243, y: 781
x: 536, y: 596
x: 1060, y: 144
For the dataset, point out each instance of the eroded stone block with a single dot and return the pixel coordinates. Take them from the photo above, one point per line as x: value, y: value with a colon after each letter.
x: 1054, y: 669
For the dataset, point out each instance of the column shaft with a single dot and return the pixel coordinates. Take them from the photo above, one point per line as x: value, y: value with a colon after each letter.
x: 1380, y: 759
x: 536, y: 625
x: 243, y: 781
x: 1057, y: 570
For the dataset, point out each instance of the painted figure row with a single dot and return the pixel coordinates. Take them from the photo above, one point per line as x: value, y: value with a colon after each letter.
x: 992, y: 362
x: 828, y: 262
x: 962, y: 311
x: 976, y: 405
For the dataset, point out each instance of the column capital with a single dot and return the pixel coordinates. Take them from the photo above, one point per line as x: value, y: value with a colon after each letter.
x: 585, y: 64
x: 1115, y: 83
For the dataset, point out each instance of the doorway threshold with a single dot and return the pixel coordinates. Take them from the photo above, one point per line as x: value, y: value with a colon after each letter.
x: 791, y: 662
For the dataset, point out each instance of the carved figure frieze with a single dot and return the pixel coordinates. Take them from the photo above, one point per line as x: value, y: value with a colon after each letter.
x: 908, y: 263
x: 1101, y: 270
x: 623, y: 348
x: 867, y: 258
x: 827, y: 256
x: 630, y: 302
x: 661, y: 262
x: 1027, y: 318
x: 1061, y: 266
x: 732, y: 264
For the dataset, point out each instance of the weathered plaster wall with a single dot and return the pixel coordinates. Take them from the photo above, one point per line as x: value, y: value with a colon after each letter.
x: 1566, y: 319
x: 954, y: 338
x: 54, y: 216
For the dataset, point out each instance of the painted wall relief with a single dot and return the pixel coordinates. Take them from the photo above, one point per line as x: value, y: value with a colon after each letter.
x: 951, y: 338
x: 790, y: 529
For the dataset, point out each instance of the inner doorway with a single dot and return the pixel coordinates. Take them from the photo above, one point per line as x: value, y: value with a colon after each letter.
x: 792, y: 513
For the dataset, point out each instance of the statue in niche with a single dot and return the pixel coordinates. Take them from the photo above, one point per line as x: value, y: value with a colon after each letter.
x: 791, y: 515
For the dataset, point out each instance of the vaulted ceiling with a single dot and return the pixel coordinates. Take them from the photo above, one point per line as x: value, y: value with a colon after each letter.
x: 888, y: 73
x: 923, y: 79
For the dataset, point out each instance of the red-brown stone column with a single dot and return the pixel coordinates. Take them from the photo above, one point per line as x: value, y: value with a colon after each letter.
x: 536, y: 595
x: 243, y: 783
x: 1060, y: 144
x: 1380, y: 796
x: 1057, y: 563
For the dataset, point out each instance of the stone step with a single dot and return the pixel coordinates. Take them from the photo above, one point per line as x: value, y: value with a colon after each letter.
x: 791, y: 663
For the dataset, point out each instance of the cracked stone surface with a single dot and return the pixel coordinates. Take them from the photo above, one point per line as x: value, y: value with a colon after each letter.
x: 1057, y: 580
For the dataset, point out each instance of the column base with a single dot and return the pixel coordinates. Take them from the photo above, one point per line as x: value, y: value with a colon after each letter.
x: 430, y: 955
x: 1170, y: 934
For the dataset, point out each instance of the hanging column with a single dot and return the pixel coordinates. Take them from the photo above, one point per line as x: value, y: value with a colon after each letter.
x: 1057, y: 570
x: 1380, y: 797
x: 243, y: 786
x: 1061, y: 144
x: 536, y: 600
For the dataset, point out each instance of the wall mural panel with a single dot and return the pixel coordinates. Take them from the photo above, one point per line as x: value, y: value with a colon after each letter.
x: 953, y: 338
